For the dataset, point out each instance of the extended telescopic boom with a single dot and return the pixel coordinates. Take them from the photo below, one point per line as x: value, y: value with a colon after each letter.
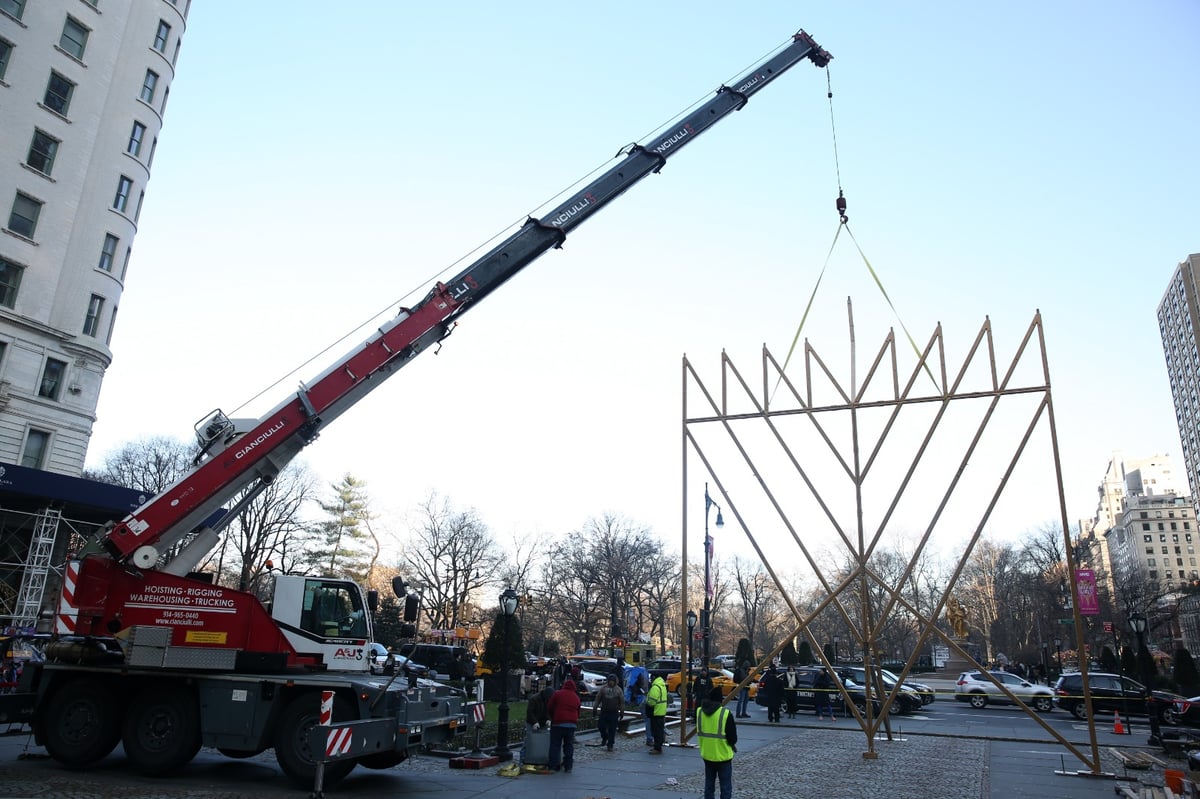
x: 246, y: 458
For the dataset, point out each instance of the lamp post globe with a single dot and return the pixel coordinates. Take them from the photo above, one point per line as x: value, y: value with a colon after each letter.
x: 508, y: 607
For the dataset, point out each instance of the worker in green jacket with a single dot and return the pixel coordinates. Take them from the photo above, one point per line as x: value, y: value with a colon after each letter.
x: 656, y: 700
x: 716, y: 732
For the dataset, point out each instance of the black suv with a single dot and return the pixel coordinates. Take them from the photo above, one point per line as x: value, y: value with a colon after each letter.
x: 806, y: 676
x: 439, y: 659
x: 664, y: 666
x: 1113, y: 693
x: 907, y: 699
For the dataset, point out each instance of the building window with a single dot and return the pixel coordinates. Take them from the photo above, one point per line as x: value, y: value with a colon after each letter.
x: 24, y: 217
x: 160, y: 38
x: 74, y: 38
x: 37, y: 442
x: 91, y: 322
x: 1148, y: 539
x: 135, y: 139
x: 42, y: 150
x: 1145, y: 525
x: 108, y: 251
x: 6, y: 49
x: 121, y: 200
x: 1160, y: 526
x: 148, y: 85
x: 112, y: 324
x: 14, y: 8
x: 1166, y: 551
x: 1150, y: 562
x: 153, y: 147
x: 10, y: 281
x: 58, y: 94
x: 125, y: 263
x: 52, y: 378
x: 137, y: 212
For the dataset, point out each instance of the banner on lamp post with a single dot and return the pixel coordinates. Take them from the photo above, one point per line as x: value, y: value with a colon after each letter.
x: 1085, y: 592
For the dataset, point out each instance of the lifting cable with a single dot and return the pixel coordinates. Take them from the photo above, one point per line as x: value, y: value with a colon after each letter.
x: 844, y: 222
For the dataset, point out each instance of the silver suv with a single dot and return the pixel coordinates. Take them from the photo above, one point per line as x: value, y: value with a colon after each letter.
x: 976, y: 688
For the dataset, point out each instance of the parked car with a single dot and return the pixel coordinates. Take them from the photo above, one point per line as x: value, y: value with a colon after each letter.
x: 722, y: 678
x: 926, y: 693
x: 1114, y: 693
x: 806, y: 695
x: 664, y: 667
x: 440, y: 659
x: 907, y: 699
x: 1187, y: 711
x: 975, y: 687
x: 378, y: 654
x: 592, y: 682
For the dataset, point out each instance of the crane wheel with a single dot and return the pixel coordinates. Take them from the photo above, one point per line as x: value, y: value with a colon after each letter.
x: 292, y: 750
x: 161, y: 732
x: 81, y: 722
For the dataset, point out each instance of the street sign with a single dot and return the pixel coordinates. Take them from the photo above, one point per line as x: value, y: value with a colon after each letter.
x: 1066, y: 621
x: 1108, y: 627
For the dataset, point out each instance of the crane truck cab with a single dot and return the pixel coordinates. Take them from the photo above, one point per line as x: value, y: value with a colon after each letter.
x: 326, y: 617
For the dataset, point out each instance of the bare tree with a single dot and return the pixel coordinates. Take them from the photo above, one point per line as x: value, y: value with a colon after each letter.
x: 450, y: 555
x: 270, y: 530
x: 148, y: 464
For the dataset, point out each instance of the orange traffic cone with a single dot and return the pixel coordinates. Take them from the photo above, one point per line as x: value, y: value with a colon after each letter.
x: 1118, y: 727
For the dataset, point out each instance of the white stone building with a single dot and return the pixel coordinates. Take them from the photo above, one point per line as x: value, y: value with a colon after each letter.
x: 83, y: 88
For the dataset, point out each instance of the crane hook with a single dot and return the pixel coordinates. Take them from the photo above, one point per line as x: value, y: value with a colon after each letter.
x: 841, y: 207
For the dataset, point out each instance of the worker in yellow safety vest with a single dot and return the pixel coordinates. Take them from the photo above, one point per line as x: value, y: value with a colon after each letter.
x: 717, y: 734
x: 656, y: 709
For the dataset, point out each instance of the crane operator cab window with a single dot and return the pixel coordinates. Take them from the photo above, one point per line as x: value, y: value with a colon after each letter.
x: 332, y: 610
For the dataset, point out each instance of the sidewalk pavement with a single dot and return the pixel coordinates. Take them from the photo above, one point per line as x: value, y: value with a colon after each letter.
x: 798, y: 758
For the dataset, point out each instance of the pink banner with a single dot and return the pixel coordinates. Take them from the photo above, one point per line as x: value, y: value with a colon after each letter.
x: 1085, y: 590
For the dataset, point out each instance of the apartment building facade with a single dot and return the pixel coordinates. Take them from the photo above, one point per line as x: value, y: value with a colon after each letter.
x: 84, y: 86
x: 1179, y: 327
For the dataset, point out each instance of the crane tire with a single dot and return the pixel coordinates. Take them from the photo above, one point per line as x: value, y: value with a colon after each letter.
x: 81, y: 722
x: 292, y: 749
x: 161, y: 732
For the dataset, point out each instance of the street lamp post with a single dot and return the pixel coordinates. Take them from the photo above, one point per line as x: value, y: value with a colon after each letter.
x: 836, y: 640
x: 508, y: 607
x: 706, y: 618
x: 691, y: 627
x: 1138, y: 623
x: 1058, y: 653
x: 1045, y: 662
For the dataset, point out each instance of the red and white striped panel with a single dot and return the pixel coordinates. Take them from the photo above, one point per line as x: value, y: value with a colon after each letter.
x: 326, y: 708
x: 68, y: 611
x: 479, y: 710
x: 338, y: 741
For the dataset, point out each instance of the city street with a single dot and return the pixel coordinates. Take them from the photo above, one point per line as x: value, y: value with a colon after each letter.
x: 947, y: 749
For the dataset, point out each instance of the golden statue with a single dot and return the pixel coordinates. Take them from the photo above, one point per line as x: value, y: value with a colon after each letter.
x: 956, y: 615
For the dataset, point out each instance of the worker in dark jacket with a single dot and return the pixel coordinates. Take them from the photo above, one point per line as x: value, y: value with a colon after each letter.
x: 716, y: 733
x: 773, y: 685
x: 537, y: 714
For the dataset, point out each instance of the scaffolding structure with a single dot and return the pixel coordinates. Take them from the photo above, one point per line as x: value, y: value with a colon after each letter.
x: 34, y: 547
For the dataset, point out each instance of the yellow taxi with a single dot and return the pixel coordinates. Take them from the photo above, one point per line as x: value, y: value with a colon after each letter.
x: 719, y: 677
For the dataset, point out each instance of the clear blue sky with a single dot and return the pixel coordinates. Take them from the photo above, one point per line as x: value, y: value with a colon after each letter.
x: 315, y: 167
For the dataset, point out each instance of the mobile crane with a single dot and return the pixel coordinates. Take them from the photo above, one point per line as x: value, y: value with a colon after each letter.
x: 150, y: 654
